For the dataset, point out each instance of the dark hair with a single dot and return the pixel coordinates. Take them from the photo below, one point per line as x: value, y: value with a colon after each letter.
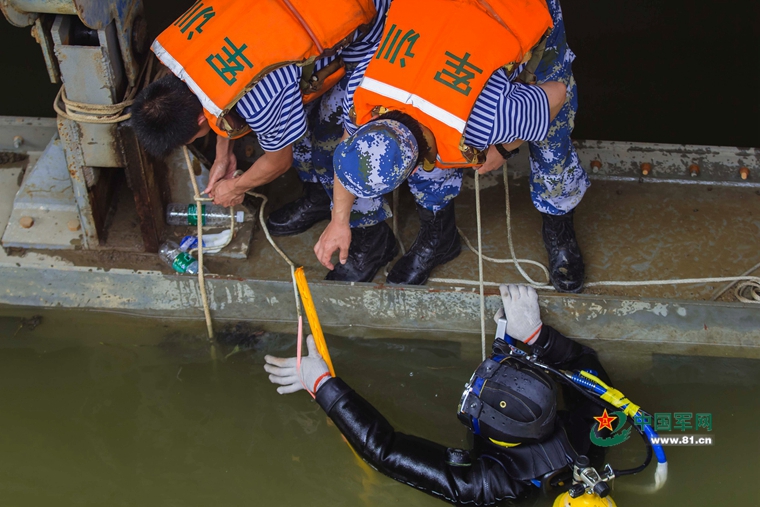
x: 165, y: 115
x: 422, y: 145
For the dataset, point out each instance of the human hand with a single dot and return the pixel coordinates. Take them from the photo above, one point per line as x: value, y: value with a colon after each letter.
x: 521, y: 311
x: 336, y: 236
x: 494, y: 160
x: 223, y: 168
x: 283, y: 371
x: 226, y: 193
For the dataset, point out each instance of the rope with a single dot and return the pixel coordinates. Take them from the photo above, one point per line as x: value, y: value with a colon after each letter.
x: 480, y: 269
x: 747, y: 290
x: 738, y: 289
x: 100, y: 113
x: 201, y: 272
x: 199, y: 220
x: 278, y: 249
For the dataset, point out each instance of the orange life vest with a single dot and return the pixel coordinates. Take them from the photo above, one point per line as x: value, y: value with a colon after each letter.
x: 222, y: 48
x: 435, y: 58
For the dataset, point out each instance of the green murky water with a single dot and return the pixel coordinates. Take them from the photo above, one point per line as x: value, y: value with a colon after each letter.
x: 100, y: 409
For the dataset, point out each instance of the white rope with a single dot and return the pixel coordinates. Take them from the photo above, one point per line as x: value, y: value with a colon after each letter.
x: 748, y: 291
x: 201, y: 271
x: 83, y: 112
x: 480, y: 269
x: 277, y: 249
x: 720, y: 292
x: 199, y: 220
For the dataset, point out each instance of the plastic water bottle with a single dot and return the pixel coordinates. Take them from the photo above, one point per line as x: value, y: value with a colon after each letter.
x: 181, y: 262
x: 212, y: 215
x: 212, y: 243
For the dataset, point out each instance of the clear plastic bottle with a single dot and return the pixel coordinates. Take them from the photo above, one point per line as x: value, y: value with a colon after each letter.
x: 212, y: 214
x: 181, y: 262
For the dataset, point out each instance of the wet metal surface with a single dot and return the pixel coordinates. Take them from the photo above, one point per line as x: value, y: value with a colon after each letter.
x: 366, y: 309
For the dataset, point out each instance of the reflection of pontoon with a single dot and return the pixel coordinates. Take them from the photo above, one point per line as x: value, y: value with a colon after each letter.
x: 655, y: 212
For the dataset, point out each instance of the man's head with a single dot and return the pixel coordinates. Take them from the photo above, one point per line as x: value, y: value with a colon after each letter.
x: 167, y: 115
x: 509, y: 403
x: 380, y: 155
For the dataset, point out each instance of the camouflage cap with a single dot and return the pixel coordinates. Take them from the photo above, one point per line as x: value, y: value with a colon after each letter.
x: 376, y: 159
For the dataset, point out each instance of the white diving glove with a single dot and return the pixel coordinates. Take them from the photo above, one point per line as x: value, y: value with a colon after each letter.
x: 282, y: 371
x: 521, y: 311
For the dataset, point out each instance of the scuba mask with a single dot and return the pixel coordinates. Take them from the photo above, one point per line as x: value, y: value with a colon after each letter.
x: 508, y: 403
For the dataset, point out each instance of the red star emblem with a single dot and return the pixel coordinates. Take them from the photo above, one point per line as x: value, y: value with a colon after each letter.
x: 605, y: 421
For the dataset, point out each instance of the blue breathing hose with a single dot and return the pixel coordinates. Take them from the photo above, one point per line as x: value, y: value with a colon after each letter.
x: 599, y: 390
x: 648, y: 431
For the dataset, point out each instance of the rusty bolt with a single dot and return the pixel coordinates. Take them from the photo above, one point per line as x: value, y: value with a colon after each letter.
x: 26, y: 222
x: 646, y: 168
x: 74, y: 225
x: 595, y: 164
x: 694, y: 170
x: 18, y: 141
x: 744, y: 173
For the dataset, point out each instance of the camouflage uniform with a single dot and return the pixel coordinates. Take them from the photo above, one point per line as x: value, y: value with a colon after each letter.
x: 313, y: 154
x: 381, y: 154
x: 558, y: 181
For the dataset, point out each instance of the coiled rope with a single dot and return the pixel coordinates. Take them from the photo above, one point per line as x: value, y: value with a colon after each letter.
x: 101, y: 113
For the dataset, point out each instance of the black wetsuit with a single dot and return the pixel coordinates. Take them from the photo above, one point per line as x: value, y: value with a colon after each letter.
x: 484, y: 475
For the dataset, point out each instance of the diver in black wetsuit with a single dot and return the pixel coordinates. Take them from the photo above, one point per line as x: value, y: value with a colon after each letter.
x: 521, y: 440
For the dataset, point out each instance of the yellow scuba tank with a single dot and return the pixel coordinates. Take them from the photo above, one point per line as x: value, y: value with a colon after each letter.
x: 585, y: 500
x: 590, y: 488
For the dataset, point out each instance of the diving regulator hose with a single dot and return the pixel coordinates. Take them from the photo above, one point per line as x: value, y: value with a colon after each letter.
x: 592, y: 387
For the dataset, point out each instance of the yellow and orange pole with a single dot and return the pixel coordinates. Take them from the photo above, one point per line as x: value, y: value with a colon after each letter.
x: 313, y: 318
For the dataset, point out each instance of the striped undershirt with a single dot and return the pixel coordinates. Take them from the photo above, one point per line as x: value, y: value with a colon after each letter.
x: 503, y: 112
x: 274, y: 107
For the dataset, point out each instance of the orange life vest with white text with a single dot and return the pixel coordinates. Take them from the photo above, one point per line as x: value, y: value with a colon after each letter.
x: 435, y: 58
x: 222, y: 48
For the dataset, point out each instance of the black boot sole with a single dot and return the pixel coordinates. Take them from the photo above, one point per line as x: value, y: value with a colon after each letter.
x: 566, y: 291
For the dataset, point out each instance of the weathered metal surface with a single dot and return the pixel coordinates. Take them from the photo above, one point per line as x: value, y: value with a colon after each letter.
x: 47, y: 197
x: 718, y: 165
x: 95, y: 14
x: 89, y: 72
x: 71, y: 138
x: 101, y: 146
x: 150, y: 189
x: 365, y: 309
x: 15, y: 16
x: 35, y: 133
x: 41, y: 31
x: 127, y: 14
x: 47, y: 184
x: 621, y: 161
x: 43, y: 6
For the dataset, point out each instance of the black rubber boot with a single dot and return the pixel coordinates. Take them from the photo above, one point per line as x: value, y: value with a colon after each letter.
x: 565, y: 260
x: 298, y: 216
x: 437, y: 243
x: 371, y: 248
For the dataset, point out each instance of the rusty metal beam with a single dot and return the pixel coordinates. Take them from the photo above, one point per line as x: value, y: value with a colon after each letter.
x: 146, y: 177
